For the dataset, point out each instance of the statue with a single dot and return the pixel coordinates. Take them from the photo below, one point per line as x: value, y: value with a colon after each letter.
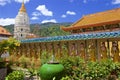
x: 82, y: 51
x: 115, y: 51
x: 73, y: 49
x: 91, y: 51
x: 50, y: 49
x: 64, y: 49
x: 103, y: 51
x: 57, y: 51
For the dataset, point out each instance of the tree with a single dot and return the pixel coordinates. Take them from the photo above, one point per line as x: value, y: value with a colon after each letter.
x: 8, y: 45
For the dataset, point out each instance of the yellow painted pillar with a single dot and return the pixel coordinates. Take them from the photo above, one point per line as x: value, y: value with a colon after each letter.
x: 58, y: 50
x: 103, y: 51
x: 91, y: 51
x: 82, y: 50
x: 50, y: 49
x: 36, y: 50
x: 65, y: 49
x: 115, y: 51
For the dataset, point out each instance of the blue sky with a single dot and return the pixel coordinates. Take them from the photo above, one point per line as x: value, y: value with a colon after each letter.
x: 41, y: 11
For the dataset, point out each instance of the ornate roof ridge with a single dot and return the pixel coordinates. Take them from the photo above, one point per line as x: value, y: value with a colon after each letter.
x: 104, y: 12
x: 85, y: 36
x: 96, y: 19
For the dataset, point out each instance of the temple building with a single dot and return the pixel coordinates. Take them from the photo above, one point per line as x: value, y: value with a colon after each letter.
x: 22, y: 25
x: 31, y: 35
x: 94, y: 37
x: 98, y: 22
x: 4, y: 34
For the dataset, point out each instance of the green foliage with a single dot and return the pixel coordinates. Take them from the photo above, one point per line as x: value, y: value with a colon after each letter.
x: 66, y: 78
x: 72, y: 65
x: 1, y: 59
x: 52, y: 30
x: 32, y: 72
x: 77, y: 69
x: 15, y: 75
x: 2, y: 64
x: 44, y: 58
x: 44, y: 30
x: 23, y: 61
x: 9, y: 28
x: 9, y: 45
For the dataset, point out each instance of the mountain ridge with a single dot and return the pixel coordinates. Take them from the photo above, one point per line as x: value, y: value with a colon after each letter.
x: 44, y: 29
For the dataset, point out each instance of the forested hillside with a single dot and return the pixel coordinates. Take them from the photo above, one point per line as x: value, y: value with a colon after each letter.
x: 44, y: 30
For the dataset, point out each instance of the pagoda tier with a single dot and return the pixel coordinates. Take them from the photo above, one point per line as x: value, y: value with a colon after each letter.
x: 22, y: 24
x: 102, y: 21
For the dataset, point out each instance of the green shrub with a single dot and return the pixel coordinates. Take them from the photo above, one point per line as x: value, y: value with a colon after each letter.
x: 32, y: 72
x: 77, y: 69
x: 73, y: 66
x: 15, y: 75
x: 66, y: 78
x: 23, y: 61
x: 2, y: 64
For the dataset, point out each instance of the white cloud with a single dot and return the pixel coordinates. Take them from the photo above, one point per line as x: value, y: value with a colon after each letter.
x: 34, y: 18
x: 7, y: 21
x: 63, y: 16
x: 51, y: 20
x: 84, y: 1
x: 116, y: 2
x: 20, y: 1
x: 70, y: 13
x: 4, y: 2
x: 36, y: 14
x: 44, y: 11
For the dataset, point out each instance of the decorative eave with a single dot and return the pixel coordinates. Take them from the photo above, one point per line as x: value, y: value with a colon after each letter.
x: 86, y: 36
x: 87, y: 26
x: 3, y: 31
x: 96, y: 20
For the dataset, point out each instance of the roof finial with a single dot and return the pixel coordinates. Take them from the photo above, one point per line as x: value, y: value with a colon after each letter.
x: 22, y: 9
x: 23, y: 1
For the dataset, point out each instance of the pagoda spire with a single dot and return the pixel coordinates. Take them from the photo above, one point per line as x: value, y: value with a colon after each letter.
x: 22, y: 9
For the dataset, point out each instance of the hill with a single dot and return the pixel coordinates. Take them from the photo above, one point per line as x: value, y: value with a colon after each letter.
x: 44, y: 30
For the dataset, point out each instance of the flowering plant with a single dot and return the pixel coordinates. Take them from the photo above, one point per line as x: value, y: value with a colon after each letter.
x: 8, y: 45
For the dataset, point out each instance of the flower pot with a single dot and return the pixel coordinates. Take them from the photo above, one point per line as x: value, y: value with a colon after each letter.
x: 51, y: 70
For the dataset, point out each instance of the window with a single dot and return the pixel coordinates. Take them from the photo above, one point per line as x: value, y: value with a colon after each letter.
x: 21, y: 29
x: 21, y: 35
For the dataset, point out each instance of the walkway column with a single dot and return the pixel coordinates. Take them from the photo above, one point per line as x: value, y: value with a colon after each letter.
x: 92, y: 50
x: 108, y: 48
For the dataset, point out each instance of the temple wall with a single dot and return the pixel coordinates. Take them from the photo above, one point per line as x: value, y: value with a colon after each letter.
x: 94, y: 49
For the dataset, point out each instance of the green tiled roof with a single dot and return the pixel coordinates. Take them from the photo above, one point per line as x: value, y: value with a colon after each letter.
x: 85, y: 36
